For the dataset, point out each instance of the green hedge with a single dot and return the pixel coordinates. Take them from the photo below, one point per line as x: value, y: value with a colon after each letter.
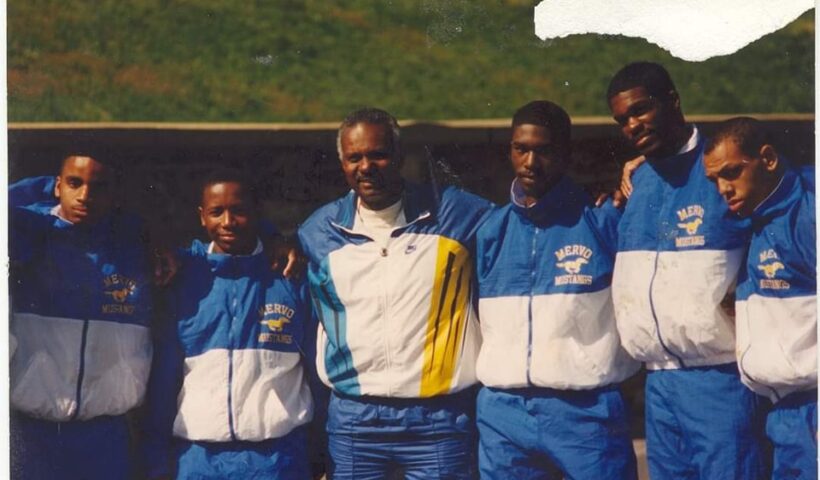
x: 257, y: 61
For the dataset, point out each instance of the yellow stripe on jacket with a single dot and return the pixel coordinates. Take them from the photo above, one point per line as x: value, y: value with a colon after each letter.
x: 449, y: 310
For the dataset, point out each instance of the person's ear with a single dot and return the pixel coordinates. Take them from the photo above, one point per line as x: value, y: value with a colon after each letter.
x: 674, y: 99
x: 769, y: 157
x: 201, y: 216
x: 57, y: 187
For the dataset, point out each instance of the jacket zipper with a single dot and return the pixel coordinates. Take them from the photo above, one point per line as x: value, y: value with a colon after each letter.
x: 385, y: 317
x: 230, y: 363
x: 529, y: 305
x: 652, y: 297
x: 81, y: 373
x: 230, y: 397
x: 655, y: 315
x: 421, y: 217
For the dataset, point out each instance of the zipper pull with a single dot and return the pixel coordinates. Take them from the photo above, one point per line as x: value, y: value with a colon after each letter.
x: 383, y: 252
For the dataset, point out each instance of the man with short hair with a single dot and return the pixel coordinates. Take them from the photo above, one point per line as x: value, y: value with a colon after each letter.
x: 229, y: 396
x: 391, y: 275
x: 551, y: 359
x: 777, y: 291
x: 679, y: 251
x: 81, y: 305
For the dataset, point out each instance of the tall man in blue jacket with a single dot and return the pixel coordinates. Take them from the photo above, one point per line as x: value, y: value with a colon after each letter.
x: 551, y: 359
x: 777, y: 291
x: 679, y: 252
x: 229, y: 396
x: 81, y: 349
x: 391, y: 275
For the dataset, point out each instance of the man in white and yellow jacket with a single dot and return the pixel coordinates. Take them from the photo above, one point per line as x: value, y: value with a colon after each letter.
x: 391, y: 276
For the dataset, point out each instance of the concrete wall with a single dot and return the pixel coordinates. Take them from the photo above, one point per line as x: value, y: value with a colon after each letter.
x: 296, y: 164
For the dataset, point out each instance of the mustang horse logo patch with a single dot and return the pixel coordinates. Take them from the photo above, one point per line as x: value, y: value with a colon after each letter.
x: 572, y: 259
x: 119, y: 288
x: 275, y: 316
x: 770, y: 270
x: 689, y: 220
x: 276, y: 325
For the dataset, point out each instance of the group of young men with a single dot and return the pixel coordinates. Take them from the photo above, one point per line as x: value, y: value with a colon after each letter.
x: 458, y: 339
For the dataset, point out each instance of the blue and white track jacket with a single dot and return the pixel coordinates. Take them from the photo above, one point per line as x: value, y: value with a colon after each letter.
x: 400, y: 321
x: 230, y: 361
x: 679, y: 252
x: 545, y: 302
x: 777, y: 294
x: 81, y: 305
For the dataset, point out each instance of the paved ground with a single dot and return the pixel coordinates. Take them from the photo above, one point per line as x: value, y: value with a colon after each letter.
x: 640, y: 452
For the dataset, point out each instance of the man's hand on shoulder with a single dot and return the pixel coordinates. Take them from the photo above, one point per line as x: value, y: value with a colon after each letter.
x: 165, y: 261
x: 617, y: 197
x: 621, y: 195
x: 165, y: 265
x: 626, y: 175
x: 285, y: 257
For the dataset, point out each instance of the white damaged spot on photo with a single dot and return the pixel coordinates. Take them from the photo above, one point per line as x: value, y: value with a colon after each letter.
x: 693, y: 30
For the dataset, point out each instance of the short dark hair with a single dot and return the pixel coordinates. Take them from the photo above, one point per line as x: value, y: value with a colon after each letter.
x: 370, y: 116
x: 547, y: 114
x: 747, y: 133
x: 100, y: 155
x: 102, y: 159
x: 651, y: 76
x: 230, y: 175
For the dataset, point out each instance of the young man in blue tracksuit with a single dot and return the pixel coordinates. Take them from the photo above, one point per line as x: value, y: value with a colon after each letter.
x: 228, y: 396
x: 679, y: 252
x: 391, y: 275
x: 551, y: 359
x: 79, y: 338
x: 777, y: 291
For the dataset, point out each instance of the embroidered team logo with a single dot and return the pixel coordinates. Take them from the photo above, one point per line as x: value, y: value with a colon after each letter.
x: 119, y: 288
x: 769, y: 263
x: 770, y: 269
x: 689, y: 220
x: 276, y: 325
x: 691, y: 227
x: 572, y: 259
x: 573, y: 266
x: 120, y: 295
x: 275, y: 316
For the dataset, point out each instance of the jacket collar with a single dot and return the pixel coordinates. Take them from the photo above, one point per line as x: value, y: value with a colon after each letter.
x: 232, y: 265
x: 549, y: 206
x: 692, y: 143
x: 97, y: 230
x: 695, y: 140
x: 675, y: 168
x: 419, y: 201
x: 57, y: 211
x: 784, y: 195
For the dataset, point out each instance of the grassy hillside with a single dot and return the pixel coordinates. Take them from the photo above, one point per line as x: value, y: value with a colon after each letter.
x: 256, y: 61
